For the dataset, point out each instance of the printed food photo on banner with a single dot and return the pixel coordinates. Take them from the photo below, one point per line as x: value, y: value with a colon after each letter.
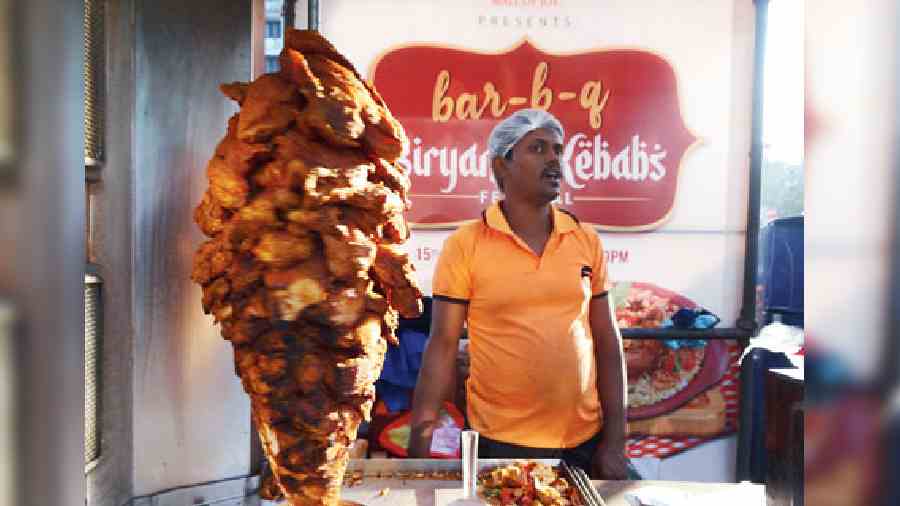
x: 681, y: 392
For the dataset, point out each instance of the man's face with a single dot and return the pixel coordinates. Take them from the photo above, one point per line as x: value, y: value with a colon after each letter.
x: 533, y: 173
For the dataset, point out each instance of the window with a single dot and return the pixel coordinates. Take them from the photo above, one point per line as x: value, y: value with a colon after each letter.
x: 273, y: 29
x: 272, y: 63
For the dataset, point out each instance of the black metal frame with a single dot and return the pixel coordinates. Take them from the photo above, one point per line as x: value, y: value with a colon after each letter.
x: 747, y: 319
x: 674, y: 333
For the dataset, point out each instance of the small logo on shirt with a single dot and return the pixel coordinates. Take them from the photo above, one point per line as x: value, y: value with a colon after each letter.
x: 586, y: 271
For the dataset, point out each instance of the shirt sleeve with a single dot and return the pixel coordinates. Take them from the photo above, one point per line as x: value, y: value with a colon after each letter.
x: 452, y: 280
x: 600, y: 279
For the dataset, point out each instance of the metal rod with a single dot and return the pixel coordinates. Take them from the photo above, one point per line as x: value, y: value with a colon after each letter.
x: 747, y: 319
x: 469, y: 463
x: 312, y: 20
x: 673, y: 333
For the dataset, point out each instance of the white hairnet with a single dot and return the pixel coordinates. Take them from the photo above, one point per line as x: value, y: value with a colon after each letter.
x: 511, y: 130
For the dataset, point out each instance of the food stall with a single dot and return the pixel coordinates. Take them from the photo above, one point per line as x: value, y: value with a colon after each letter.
x: 659, y: 121
x: 660, y: 117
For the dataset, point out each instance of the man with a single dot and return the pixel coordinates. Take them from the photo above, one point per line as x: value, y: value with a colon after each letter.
x: 547, y: 377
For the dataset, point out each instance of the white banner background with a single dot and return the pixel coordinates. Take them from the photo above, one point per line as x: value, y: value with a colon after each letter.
x: 699, y: 251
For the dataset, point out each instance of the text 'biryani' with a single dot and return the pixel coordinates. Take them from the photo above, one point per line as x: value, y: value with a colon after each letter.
x: 303, y: 269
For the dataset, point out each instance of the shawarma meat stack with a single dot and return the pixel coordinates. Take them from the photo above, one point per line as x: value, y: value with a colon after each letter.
x: 302, y: 269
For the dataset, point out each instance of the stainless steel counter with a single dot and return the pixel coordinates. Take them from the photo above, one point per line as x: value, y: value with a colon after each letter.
x: 409, y: 482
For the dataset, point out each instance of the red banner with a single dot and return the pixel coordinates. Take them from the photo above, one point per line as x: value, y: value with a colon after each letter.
x: 625, y: 137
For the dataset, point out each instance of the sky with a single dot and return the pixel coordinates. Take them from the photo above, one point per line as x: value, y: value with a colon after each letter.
x: 783, y: 88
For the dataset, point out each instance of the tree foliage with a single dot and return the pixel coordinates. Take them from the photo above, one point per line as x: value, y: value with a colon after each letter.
x: 782, y: 189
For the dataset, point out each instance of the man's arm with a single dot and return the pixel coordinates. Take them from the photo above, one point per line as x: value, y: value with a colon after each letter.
x: 609, y: 462
x: 437, y: 377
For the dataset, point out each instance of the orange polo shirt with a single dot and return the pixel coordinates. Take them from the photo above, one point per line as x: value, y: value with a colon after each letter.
x: 532, y: 373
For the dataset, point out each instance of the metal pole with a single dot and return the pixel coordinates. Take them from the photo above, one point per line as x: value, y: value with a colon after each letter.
x: 674, y: 333
x: 747, y: 319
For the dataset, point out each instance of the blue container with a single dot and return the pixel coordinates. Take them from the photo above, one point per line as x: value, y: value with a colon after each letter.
x: 781, y: 269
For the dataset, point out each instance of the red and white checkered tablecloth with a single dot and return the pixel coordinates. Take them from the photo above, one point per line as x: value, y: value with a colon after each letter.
x: 662, y: 447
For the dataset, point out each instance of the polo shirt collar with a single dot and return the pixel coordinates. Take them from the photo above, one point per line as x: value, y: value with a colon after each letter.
x: 494, y: 218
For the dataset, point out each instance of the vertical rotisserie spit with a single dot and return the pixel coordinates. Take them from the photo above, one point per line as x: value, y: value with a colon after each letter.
x: 302, y: 270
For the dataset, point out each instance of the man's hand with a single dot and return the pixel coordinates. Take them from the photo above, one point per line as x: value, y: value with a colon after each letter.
x: 420, y: 441
x: 609, y: 462
x: 437, y: 376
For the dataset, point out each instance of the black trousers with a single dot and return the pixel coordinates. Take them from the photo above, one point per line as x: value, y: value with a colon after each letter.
x: 579, y: 456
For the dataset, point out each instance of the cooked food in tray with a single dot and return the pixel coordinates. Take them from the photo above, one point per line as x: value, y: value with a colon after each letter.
x: 526, y: 483
x: 302, y: 270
